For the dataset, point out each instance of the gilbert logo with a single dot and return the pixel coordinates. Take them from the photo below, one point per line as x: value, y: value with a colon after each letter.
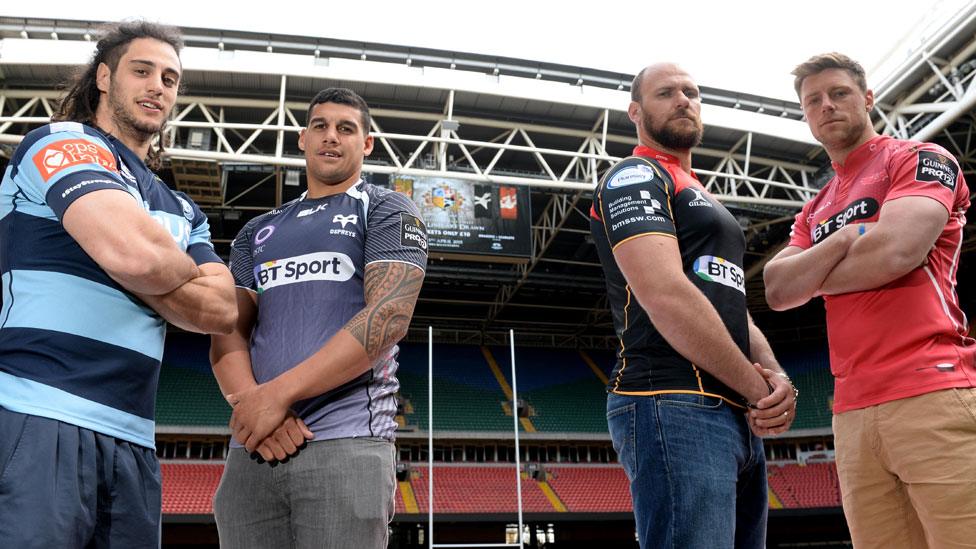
x: 61, y: 155
x: 699, y: 200
x: 344, y: 219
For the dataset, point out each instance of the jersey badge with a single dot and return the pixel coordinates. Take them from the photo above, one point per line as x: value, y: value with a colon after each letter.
x: 66, y: 153
x: 936, y: 167
x: 630, y: 175
x: 413, y: 232
x: 720, y: 271
x: 345, y: 219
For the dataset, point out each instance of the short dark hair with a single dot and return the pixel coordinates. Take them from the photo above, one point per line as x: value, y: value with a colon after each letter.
x: 833, y: 60
x: 342, y: 96
x: 80, y: 102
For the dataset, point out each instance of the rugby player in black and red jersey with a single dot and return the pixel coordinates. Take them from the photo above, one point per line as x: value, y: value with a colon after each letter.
x: 686, y: 372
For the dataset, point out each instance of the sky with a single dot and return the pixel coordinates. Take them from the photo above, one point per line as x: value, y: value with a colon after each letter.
x: 749, y: 46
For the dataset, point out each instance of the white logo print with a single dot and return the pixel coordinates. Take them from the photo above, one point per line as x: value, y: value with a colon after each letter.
x: 483, y: 200
x: 631, y: 175
x: 721, y: 271
x: 323, y: 266
x: 699, y: 199
x: 652, y: 209
x: 310, y: 211
x: 345, y: 219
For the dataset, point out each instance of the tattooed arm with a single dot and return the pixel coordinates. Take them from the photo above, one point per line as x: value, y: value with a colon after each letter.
x: 391, y: 290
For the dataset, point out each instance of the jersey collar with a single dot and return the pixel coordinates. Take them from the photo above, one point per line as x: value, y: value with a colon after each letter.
x: 643, y: 150
x: 859, y: 156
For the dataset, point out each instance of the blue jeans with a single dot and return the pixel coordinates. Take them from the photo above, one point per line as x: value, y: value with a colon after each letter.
x: 697, y: 474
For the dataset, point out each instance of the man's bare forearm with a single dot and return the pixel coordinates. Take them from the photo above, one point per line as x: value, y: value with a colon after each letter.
x: 205, y: 304
x: 352, y: 350
x: 793, y: 280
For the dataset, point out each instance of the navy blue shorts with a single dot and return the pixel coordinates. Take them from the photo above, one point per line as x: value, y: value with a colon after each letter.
x: 68, y: 487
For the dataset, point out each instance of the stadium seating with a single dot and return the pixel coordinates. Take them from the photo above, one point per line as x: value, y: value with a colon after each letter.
x: 600, y: 489
x: 479, y: 490
x: 805, y: 486
x: 188, y: 393
x: 810, y: 372
x: 563, y: 391
x: 188, y: 488
x: 467, y: 397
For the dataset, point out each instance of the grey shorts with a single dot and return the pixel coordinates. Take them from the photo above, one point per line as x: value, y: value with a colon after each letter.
x: 333, y: 494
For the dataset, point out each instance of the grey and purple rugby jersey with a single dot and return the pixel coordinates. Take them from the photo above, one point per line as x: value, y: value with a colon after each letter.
x: 306, y: 262
x: 75, y: 345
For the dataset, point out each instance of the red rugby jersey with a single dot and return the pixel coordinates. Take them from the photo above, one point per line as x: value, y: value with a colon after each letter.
x: 908, y: 337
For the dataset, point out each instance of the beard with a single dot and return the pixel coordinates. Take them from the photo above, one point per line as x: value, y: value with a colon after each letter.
x: 673, y: 138
x: 128, y: 122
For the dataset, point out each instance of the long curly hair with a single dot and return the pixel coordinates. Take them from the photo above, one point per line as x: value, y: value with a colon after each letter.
x: 80, y: 102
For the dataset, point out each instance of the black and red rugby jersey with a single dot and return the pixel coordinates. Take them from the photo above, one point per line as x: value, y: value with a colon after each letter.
x: 646, y: 194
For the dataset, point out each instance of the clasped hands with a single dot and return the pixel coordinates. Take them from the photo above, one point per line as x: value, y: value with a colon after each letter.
x: 775, y: 413
x: 263, y: 422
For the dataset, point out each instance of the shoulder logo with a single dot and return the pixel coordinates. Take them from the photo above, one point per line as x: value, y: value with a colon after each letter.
x: 699, y: 200
x: 936, y: 167
x: 630, y: 175
x: 63, y: 154
x: 413, y: 232
x: 187, y: 209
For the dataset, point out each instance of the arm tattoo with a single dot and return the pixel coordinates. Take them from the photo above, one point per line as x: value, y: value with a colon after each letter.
x: 391, y: 292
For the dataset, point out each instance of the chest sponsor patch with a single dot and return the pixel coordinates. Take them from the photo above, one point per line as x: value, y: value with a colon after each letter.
x: 721, y: 271
x: 61, y: 155
x: 862, y: 208
x: 327, y: 266
x: 630, y: 175
x: 937, y: 167
x: 413, y: 232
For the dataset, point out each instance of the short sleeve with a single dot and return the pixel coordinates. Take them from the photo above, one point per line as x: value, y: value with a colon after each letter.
x: 241, y: 259
x: 395, y: 231
x: 200, y: 247
x: 927, y: 170
x: 63, y: 166
x: 634, y: 199
x: 800, y: 231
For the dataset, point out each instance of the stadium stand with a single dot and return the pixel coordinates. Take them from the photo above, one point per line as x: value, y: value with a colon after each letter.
x: 810, y: 371
x: 188, y: 393
x: 478, y: 490
x: 564, y: 393
x: 467, y: 397
x: 805, y: 486
x: 188, y: 488
x: 599, y: 489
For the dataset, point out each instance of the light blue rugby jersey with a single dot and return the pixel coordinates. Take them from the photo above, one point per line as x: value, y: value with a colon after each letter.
x: 306, y: 261
x: 74, y: 345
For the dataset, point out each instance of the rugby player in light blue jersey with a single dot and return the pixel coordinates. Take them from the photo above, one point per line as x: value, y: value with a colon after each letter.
x: 327, y: 285
x: 95, y: 252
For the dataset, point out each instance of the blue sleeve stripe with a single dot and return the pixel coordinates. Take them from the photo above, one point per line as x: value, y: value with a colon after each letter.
x: 41, y: 300
x: 31, y: 397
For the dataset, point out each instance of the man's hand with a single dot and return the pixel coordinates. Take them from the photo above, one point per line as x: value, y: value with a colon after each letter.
x: 775, y: 413
x: 258, y: 411
x: 286, y: 439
